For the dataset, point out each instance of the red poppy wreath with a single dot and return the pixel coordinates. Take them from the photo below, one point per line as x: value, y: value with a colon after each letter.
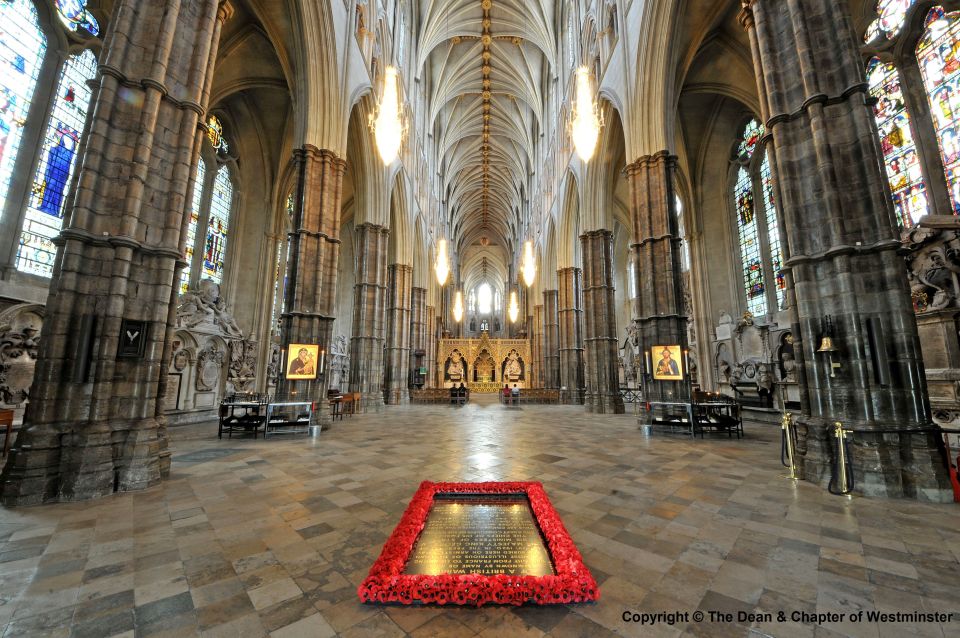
x: 387, y: 582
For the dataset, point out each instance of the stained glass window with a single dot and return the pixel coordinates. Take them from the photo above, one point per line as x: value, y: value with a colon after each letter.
x: 891, y: 14
x: 283, y: 258
x: 897, y: 142
x: 22, y: 47
x: 58, y: 158
x: 215, y: 135
x: 682, y: 231
x: 75, y: 15
x: 484, y: 299
x: 194, y: 220
x: 751, y: 137
x: 216, y: 243
x: 940, y: 67
x: 472, y: 302
x: 749, y: 243
x: 773, y: 233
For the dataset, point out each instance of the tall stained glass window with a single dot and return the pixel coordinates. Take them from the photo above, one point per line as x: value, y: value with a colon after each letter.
x: 283, y: 268
x: 195, y: 203
x: 773, y: 232
x: 22, y: 47
x: 937, y: 53
x: 749, y: 243
x: 758, y: 230
x: 682, y: 231
x: 216, y: 243
x: 58, y: 159
x: 897, y: 143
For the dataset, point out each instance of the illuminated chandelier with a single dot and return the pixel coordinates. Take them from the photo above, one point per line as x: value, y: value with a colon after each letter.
x: 442, y: 266
x: 513, y: 310
x: 388, y: 125
x: 586, y: 123
x: 458, y: 307
x: 529, y: 266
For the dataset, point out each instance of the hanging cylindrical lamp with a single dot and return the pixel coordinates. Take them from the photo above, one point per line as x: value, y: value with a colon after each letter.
x: 513, y: 310
x: 585, y: 124
x: 388, y: 127
x: 529, y: 267
x: 442, y: 267
x: 458, y: 307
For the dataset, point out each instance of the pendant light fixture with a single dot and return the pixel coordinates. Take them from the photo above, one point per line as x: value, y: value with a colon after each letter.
x: 458, y: 307
x: 442, y: 265
x: 529, y: 266
x: 513, y: 310
x: 388, y: 126
x: 585, y: 123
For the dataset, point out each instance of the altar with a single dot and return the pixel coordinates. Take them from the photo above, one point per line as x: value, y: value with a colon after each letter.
x: 484, y: 365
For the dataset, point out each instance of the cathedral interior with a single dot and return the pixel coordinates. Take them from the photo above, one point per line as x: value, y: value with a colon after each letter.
x: 694, y: 265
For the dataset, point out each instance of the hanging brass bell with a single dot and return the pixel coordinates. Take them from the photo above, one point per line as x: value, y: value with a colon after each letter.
x: 826, y: 345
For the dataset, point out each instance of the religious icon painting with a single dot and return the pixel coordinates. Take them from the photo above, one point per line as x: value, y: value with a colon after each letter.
x: 302, y: 364
x: 667, y: 363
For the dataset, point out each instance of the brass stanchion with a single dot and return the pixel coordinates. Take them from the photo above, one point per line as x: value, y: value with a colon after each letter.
x: 787, y: 424
x: 841, y: 483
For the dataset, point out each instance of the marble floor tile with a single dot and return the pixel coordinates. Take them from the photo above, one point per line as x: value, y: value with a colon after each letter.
x: 271, y: 538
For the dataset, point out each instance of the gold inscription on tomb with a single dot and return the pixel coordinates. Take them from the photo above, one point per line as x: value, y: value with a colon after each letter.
x: 487, y: 537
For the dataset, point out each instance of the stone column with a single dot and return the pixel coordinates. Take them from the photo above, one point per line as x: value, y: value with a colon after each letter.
x: 658, y: 308
x: 369, y: 311
x: 571, y: 334
x: 849, y: 281
x: 91, y: 426
x: 600, y: 325
x: 398, y: 334
x: 431, y: 341
x: 551, y: 340
x: 418, y: 328
x: 311, y: 294
x: 536, y: 347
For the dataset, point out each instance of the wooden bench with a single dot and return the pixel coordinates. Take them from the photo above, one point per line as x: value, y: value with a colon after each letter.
x: 437, y: 395
x: 540, y: 395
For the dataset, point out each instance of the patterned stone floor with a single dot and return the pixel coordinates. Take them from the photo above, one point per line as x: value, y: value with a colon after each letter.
x: 250, y: 538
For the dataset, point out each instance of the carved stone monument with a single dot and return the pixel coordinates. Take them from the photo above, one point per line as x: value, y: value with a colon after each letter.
x: 211, y: 356
x: 20, y: 328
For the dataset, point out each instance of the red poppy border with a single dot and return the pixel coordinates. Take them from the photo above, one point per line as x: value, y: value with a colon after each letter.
x: 386, y: 582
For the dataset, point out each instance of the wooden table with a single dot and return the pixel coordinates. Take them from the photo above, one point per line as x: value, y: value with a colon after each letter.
x: 251, y: 419
x: 6, y: 419
x: 299, y: 423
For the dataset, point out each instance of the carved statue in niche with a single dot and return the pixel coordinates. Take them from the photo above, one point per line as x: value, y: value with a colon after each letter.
x: 724, y: 363
x: 455, y: 366
x: 242, y: 375
x: 633, y: 334
x: 20, y: 328
x: 513, y: 367
x: 273, y: 366
x: 339, y: 361
x: 628, y: 364
x: 764, y: 380
x: 787, y: 360
x: 203, y: 310
x: 209, y: 362
x: 693, y: 365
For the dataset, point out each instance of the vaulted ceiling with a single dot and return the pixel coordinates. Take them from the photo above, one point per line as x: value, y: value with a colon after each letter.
x: 486, y: 61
